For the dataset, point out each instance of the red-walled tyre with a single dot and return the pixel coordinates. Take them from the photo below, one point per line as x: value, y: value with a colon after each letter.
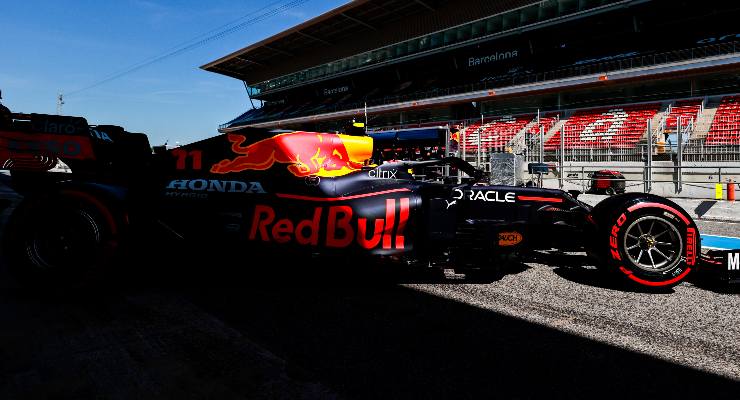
x: 60, y: 241
x: 646, y: 241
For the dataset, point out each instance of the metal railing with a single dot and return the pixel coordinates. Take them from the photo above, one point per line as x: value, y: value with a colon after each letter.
x: 655, y: 162
x: 673, y: 167
x: 643, y: 178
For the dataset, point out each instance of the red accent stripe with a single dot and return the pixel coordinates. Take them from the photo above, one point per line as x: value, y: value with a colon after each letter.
x: 541, y: 199
x: 390, y: 220
x: 710, y: 261
x: 661, y: 206
x: 404, y: 216
x: 664, y: 283
x: 357, y: 196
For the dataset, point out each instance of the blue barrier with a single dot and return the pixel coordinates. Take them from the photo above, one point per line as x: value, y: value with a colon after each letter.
x: 720, y: 242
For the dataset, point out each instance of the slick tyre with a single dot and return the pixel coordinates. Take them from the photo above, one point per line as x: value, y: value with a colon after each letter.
x: 648, y: 242
x: 61, y: 241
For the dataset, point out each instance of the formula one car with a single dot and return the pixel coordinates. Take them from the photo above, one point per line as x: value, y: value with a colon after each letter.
x: 308, y: 194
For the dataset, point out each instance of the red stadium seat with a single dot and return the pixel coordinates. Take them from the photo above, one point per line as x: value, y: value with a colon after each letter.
x: 615, y: 127
x: 725, y: 127
x: 688, y: 110
x: 495, y: 133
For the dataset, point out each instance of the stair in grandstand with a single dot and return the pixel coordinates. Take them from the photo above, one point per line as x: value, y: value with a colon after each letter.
x: 656, y: 122
x: 528, y: 137
x: 531, y: 128
x: 704, y: 123
x: 530, y: 132
x: 555, y: 129
x: 547, y: 122
x: 495, y: 133
x: 518, y: 143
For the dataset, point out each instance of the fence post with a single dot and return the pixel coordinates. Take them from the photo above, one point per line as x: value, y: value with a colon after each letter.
x: 562, y: 155
x: 462, y: 140
x: 447, y: 151
x: 648, y: 175
x: 480, y: 132
x: 583, y: 179
x: 542, y: 145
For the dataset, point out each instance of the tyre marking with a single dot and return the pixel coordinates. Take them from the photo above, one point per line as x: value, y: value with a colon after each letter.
x: 649, y: 283
x: 690, y: 246
x: 613, y: 242
x: 661, y: 206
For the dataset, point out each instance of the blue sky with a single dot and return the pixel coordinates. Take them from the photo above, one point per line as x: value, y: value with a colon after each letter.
x: 47, y: 46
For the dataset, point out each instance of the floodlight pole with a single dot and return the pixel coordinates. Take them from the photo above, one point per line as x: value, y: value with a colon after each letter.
x: 542, y: 144
x: 462, y: 140
x: 562, y: 155
x: 679, y: 157
x: 480, y: 142
x: 60, y: 102
x: 447, y: 151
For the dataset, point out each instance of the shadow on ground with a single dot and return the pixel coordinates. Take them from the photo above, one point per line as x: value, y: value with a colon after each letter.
x: 579, y: 268
x: 190, y: 326
x: 389, y: 341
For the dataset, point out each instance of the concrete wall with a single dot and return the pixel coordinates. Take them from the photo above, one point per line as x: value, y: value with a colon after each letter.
x: 699, y: 178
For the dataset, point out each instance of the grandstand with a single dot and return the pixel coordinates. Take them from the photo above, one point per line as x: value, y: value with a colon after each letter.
x: 603, y: 80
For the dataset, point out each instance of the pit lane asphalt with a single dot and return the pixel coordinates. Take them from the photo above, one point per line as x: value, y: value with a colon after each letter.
x: 549, y: 328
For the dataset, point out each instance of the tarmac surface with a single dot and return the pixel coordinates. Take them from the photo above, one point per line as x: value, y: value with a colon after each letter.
x: 178, y: 326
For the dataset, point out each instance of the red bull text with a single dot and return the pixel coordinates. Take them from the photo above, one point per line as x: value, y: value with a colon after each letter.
x: 334, y: 227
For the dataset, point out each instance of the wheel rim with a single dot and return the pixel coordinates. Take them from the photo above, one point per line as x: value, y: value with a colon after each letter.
x: 64, y: 241
x: 653, y: 244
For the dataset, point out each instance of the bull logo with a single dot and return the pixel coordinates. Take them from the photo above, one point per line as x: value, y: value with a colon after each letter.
x: 307, y: 153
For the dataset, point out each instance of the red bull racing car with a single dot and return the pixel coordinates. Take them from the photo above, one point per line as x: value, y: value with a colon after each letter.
x: 309, y: 195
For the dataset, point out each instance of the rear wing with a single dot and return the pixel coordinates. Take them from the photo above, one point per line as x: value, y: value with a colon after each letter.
x: 37, y: 142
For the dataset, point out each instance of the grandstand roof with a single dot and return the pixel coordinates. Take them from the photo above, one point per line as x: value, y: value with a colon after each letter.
x: 353, y: 28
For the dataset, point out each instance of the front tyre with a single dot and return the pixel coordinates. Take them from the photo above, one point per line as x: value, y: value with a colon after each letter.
x: 649, y: 242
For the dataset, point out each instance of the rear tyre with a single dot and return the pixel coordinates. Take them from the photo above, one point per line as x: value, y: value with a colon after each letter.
x: 60, y: 241
x: 648, y: 242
